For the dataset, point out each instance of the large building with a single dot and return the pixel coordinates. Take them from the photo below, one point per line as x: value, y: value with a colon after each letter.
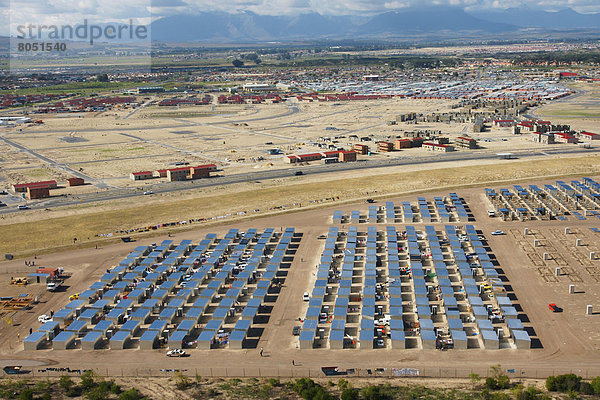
x: 466, y: 142
x: 442, y: 148
x: 347, y: 156
x: 402, y: 144
x: 22, y: 187
x: 37, y: 193
x: 75, y: 182
x: 385, y: 146
x: 140, y: 176
x: 361, y: 148
x: 545, y: 138
x: 589, y: 136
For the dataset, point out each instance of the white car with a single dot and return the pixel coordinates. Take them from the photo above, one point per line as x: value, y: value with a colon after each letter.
x: 44, y: 318
x: 305, y: 296
x: 147, y: 192
x: 176, y: 353
x: 496, y: 233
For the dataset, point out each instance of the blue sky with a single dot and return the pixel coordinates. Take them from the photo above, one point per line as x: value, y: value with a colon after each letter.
x: 60, y: 12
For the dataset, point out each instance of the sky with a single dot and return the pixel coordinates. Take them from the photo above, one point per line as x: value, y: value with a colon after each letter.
x: 60, y: 12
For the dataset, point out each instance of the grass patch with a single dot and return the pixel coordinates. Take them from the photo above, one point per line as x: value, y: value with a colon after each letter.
x: 42, y: 235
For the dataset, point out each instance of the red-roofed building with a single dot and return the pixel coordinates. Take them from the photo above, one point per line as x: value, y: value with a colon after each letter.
x: 562, y: 137
x: 75, y: 182
x: 589, y: 136
x: 22, y: 187
x: 347, y: 156
x: 504, y: 123
x: 140, y: 176
x: 443, y: 148
x: 402, y: 144
x: 361, y: 148
x: 37, y: 193
x: 466, y: 142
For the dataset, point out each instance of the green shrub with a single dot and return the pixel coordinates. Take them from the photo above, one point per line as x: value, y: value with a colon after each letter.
x: 131, y: 394
x: 46, y: 396
x: 563, y: 383
x: 65, y: 382
x: 309, y: 390
x: 349, y: 394
x: 274, y: 382
x: 343, y: 384
x: 374, y: 393
x: 491, y: 383
x: 596, y: 385
x: 87, y: 380
x: 26, y: 394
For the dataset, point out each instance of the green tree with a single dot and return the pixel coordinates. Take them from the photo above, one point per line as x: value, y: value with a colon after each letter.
x: 87, y: 380
x: 65, y: 382
x: 102, y: 78
x: 237, y: 63
x: 349, y: 394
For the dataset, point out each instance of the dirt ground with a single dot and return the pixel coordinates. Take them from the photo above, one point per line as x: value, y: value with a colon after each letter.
x: 569, y: 340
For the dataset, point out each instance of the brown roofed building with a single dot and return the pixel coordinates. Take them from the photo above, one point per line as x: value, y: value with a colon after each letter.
x: 75, y: 182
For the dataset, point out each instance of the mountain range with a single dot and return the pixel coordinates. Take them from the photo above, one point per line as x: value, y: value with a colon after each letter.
x: 446, y: 22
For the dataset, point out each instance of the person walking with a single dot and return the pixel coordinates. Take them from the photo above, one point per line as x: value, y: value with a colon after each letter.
x: 261, y: 351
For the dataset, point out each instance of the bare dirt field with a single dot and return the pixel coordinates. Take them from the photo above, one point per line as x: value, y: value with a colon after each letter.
x: 569, y: 340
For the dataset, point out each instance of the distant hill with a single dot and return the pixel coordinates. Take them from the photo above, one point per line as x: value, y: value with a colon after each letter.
x: 250, y: 27
x: 247, y: 27
x: 526, y: 17
x: 438, y: 19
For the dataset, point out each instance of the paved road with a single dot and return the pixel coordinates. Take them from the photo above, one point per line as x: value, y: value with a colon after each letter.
x: 117, y: 194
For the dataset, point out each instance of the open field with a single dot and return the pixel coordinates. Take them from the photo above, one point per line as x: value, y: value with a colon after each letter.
x: 580, y: 112
x: 568, y: 341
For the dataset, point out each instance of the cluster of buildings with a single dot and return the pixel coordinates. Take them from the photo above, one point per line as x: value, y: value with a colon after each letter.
x: 89, y: 104
x: 188, y: 101
x: 327, y: 157
x: 341, y: 97
x: 176, y: 174
x: 250, y: 99
x: 40, y: 190
x: 13, y: 100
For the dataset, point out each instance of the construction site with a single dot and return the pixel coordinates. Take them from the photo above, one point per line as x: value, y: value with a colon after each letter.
x: 399, y: 281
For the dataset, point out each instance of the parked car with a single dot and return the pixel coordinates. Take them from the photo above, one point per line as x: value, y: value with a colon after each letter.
x: 554, y: 307
x: 491, y: 213
x: 298, y: 173
x: 496, y: 233
x: 305, y: 296
x: 44, y: 318
x: 322, y: 237
x: 296, y: 330
x: 74, y: 296
x: 176, y: 353
x: 148, y: 192
x: 23, y: 207
x: 370, y: 201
